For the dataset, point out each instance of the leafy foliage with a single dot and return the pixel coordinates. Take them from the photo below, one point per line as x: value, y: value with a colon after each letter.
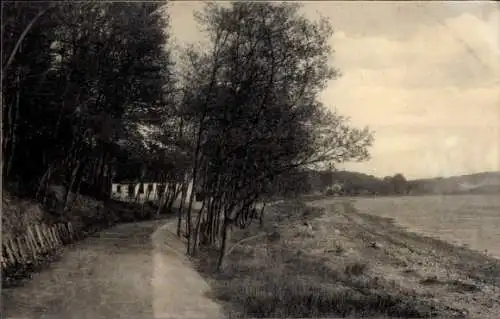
x: 82, y: 80
x: 90, y: 93
x: 254, y: 101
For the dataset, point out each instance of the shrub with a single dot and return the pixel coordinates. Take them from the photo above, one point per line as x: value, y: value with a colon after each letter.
x: 356, y: 268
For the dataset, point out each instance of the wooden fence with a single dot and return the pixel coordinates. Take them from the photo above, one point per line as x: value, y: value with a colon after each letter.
x: 38, y: 241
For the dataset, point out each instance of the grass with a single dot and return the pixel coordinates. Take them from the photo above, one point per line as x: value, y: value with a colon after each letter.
x: 356, y: 268
x: 332, y: 259
x: 303, y: 275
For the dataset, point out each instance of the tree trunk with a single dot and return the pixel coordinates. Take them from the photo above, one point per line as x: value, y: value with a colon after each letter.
x: 172, y: 199
x: 166, y: 198
x: 185, y: 186
x: 147, y: 194
x: 138, y: 195
x: 106, y: 179
x: 191, y: 198
x: 207, y: 226
x: 7, y: 122
x: 42, y: 185
x: 21, y: 38
x: 217, y: 214
x: 225, y: 237
x: 77, y: 192
x: 212, y: 211
x: 161, y: 200
x: 196, y: 159
x: 210, y: 220
x: 196, y: 234
x: 70, y: 187
x: 102, y: 180
x: 168, y: 193
x: 97, y: 172
x: 13, y: 125
x: 261, y: 216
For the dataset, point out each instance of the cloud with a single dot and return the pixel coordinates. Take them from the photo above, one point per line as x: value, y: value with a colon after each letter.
x: 433, y: 98
x: 393, y: 19
x: 386, y: 105
x: 459, y: 51
x: 425, y: 132
x: 423, y: 75
x: 440, y: 152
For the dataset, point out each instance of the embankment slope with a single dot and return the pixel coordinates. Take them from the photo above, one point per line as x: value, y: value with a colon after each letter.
x: 327, y: 259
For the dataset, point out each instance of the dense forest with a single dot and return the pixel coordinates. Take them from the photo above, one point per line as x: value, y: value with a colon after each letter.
x: 354, y: 183
x: 90, y: 93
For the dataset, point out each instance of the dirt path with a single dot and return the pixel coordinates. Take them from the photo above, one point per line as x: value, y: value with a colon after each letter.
x: 129, y: 271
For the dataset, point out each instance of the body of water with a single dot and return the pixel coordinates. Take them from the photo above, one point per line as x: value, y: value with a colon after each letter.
x: 472, y: 220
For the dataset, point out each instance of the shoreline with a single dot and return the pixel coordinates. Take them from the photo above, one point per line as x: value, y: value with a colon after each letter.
x: 417, y: 232
x: 469, y: 221
x: 366, y: 265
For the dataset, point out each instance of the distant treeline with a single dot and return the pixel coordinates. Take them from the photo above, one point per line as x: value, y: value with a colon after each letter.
x: 354, y: 183
x: 350, y: 184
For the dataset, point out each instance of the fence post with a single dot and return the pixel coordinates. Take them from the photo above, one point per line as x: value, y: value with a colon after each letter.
x: 29, y: 246
x: 56, y: 233
x: 66, y: 232
x: 51, y: 233
x: 60, y: 234
x: 8, y: 249
x: 52, y: 237
x: 15, y: 250
x: 71, y: 231
x: 41, y: 239
x: 22, y: 251
x: 46, y: 235
x: 32, y: 236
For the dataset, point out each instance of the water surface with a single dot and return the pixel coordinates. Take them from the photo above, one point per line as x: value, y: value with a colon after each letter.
x: 472, y: 220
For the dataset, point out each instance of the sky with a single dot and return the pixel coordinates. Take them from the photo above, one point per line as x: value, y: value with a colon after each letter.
x: 424, y: 76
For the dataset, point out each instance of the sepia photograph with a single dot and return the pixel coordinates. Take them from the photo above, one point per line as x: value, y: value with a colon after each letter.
x: 250, y: 159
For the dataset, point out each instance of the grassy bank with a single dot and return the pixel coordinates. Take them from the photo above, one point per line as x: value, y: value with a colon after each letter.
x: 330, y: 260
x: 86, y: 213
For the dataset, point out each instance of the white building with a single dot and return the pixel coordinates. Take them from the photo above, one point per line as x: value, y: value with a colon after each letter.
x: 147, y: 191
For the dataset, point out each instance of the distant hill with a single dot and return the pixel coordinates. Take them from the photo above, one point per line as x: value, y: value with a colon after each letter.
x: 480, y: 183
x: 360, y: 183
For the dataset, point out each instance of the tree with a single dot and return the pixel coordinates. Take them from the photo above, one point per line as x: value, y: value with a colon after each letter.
x: 387, y: 185
x: 399, y: 184
x: 326, y: 179
x: 255, y: 106
x: 80, y: 84
x: 93, y: 83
